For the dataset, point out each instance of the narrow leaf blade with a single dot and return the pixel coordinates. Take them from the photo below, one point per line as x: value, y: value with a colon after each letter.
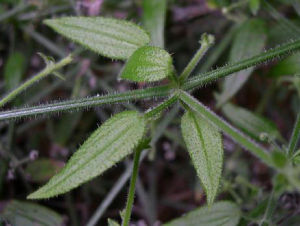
x: 249, y: 41
x: 109, y: 144
x: 27, y: 213
x: 235, y: 134
x: 113, y: 38
x: 249, y: 122
x: 204, y: 143
x: 13, y: 70
x: 154, y: 16
x: 223, y: 213
x: 148, y: 64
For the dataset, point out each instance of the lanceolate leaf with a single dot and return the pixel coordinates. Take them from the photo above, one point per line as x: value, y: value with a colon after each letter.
x: 149, y: 64
x: 250, y: 123
x: 154, y: 14
x: 249, y: 41
x: 235, y: 134
x: 27, y: 214
x: 109, y: 144
x: 112, y: 38
x: 13, y: 70
x: 223, y: 213
x: 204, y: 143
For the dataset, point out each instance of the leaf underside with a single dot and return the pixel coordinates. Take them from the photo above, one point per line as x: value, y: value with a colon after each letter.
x: 204, y: 144
x: 148, y: 64
x: 223, y: 213
x: 109, y: 144
x: 113, y: 38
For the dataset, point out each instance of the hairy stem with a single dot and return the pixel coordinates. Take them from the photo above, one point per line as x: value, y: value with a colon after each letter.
x: 162, y: 106
x: 238, y: 136
x: 205, y: 42
x: 48, y: 70
x: 131, y: 191
x: 202, y: 79
x: 160, y: 91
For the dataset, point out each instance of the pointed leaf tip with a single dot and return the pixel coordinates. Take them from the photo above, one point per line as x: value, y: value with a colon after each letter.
x: 148, y: 64
x: 107, y: 145
x: 112, y: 38
x: 204, y: 144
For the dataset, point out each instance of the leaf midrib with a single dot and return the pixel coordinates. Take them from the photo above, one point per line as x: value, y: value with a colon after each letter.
x: 204, y: 148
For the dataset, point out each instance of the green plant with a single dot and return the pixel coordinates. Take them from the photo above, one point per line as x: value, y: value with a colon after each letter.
x: 128, y: 132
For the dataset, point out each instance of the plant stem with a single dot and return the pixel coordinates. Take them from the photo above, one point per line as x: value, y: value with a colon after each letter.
x: 48, y: 70
x: 217, y: 50
x: 159, y: 91
x: 202, y: 79
x: 238, y: 136
x: 162, y: 106
x: 110, y: 196
x: 155, y: 92
x: 131, y: 191
x: 205, y: 42
x: 295, y: 136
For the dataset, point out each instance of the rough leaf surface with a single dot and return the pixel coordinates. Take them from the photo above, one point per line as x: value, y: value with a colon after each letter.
x: 148, y: 64
x: 113, y: 38
x: 204, y: 143
x: 223, y: 213
x: 109, y: 144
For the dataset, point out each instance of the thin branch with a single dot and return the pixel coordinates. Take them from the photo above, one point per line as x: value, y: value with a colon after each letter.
x: 160, y: 91
x: 205, y: 42
x: 281, y: 51
x: 154, y: 92
x: 131, y: 191
x: 50, y: 68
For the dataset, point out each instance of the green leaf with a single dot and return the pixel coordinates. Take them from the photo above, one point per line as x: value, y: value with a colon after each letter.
x: 235, y: 134
x: 13, y: 70
x: 43, y: 169
x: 204, y: 143
x: 254, y: 6
x: 279, y: 159
x: 108, y: 145
x: 288, y: 66
x: 149, y: 64
x: 28, y: 214
x: 113, y: 38
x: 154, y: 17
x: 249, y: 41
x: 111, y: 222
x: 223, y: 213
x: 250, y: 123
